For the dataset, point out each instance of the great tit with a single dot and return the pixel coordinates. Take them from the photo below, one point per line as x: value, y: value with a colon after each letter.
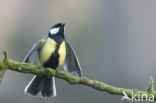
x: 51, y: 51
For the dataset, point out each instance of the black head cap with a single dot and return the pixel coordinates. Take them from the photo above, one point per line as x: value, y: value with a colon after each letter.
x: 59, y: 25
x: 57, y: 32
x: 57, y: 29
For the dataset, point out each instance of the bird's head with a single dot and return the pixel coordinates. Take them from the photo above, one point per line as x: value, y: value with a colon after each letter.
x: 57, y: 29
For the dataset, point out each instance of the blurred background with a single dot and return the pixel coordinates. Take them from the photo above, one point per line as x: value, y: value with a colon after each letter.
x: 115, y: 41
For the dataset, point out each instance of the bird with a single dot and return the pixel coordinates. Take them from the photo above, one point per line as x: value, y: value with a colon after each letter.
x: 52, y: 51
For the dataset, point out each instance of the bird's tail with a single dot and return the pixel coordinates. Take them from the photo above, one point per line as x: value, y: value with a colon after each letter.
x: 41, y: 85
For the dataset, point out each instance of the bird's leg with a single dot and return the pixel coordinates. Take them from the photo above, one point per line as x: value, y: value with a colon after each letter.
x: 56, y: 71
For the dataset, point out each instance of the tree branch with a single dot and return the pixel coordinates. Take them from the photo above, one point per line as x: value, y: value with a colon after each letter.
x: 33, y: 69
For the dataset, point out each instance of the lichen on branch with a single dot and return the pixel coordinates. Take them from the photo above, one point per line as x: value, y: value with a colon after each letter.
x: 6, y: 64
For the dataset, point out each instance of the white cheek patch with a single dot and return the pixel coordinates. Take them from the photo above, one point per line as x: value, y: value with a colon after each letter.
x: 54, y: 31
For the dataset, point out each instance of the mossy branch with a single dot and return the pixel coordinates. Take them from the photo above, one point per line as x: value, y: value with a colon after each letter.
x: 33, y: 69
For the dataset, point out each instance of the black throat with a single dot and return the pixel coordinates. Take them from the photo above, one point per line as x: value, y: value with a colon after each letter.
x: 59, y: 37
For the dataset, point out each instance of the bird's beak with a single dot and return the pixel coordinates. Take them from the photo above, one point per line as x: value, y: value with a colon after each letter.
x: 63, y: 24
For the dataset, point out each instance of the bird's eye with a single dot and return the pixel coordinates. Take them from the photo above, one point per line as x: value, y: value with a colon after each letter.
x: 54, y: 31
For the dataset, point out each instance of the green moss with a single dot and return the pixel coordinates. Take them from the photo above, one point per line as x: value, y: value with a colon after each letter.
x: 33, y: 69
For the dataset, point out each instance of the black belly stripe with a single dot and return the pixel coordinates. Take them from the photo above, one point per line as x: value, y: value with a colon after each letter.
x: 54, y: 59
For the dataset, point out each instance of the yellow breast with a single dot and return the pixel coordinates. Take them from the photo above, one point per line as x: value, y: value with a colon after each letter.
x: 46, y: 50
x: 62, y: 53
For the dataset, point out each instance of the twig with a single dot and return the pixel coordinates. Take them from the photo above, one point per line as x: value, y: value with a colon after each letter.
x: 33, y: 69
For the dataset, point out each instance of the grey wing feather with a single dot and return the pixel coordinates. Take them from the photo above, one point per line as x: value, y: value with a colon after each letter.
x: 33, y: 56
x: 71, y: 63
x: 32, y: 52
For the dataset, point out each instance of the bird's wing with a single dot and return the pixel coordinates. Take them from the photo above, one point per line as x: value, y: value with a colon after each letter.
x: 33, y: 51
x: 71, y: 63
